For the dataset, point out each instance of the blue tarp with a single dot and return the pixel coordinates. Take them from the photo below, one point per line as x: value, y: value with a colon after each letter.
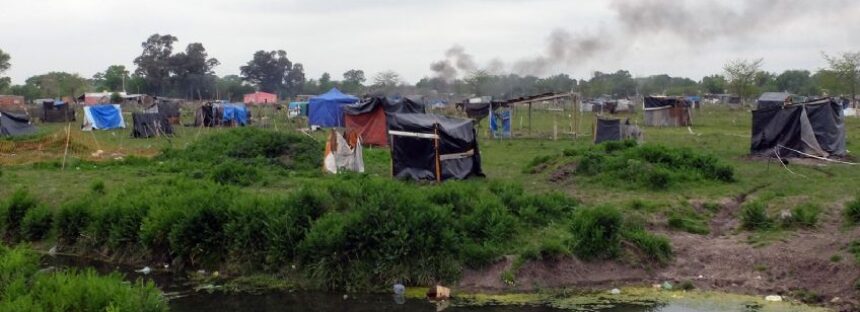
x: 236, y: 112
x: 502, y: 117
x: 325, y: 111
x: 105, y: 117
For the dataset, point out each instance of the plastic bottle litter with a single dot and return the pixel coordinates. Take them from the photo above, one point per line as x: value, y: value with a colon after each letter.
x: 667, y: 286
x: 615, y: 291
x: 773, y: 298
x: 399, y: 289
x: 146, y: 270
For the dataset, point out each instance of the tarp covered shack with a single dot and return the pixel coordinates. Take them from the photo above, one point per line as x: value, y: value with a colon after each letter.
x: 15, y: 124
x: 433, y: 147
x: 773, y: 99
x: 325, y: 111
x: 667, y: 111
x: 816, y: 127
x: 221, y: 114
x: 56, y: 111
x: 147, y: 125
x: 103, y: 117
x: 368, y: 118
x: 613, y: 129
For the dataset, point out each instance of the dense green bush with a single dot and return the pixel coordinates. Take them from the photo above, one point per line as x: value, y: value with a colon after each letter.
x: 852, y: 212
x: 655, y: 247
x: 72, y: 220
x: 24, y: 289
x: 803, y: 215
x: 646, y: 166
x: 12, y: 212
x: 37, y: 223
x: 754, y: 216
x: 597, y: 232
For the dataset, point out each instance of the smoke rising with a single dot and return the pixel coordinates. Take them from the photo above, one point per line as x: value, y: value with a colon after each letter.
x: 691, y: 21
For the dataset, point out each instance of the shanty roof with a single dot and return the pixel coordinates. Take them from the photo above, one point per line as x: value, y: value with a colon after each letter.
x: 774, y: 96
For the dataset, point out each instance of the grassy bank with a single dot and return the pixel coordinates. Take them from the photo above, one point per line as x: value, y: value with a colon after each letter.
x: 24, y: 288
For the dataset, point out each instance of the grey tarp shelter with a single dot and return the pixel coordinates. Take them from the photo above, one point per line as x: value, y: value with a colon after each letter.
x: 773, y: 99
x: 433, y: 147
x: 667, y: 111
x: 15, y: 124
x: 815, y: 127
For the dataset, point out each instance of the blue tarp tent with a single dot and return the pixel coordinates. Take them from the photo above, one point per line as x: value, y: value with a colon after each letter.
x: 325, y: 111
x: 103, y: 117
x: 235, y: 113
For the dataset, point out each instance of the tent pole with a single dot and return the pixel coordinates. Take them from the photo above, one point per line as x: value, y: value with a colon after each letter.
x: 66, y: 150
x: 438, y: 160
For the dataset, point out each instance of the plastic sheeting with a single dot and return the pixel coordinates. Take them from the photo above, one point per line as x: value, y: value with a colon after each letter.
x: 815, y: 128
x: 103, y: 117
x: 343, y: 154
x: 14, y: 124
x: 147, y: 125
x: 235, y: 114
x: 500, y: 123
x: 368, y: 118
x: 667, y: 112
x: 414, y: 151
x: 325, y: 110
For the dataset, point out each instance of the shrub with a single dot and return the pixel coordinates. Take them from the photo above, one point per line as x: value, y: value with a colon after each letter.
x: 98, y: 187
x: 754, y: 216
x: 655, y: 247
x: 854, y: 249
x: 852, y: 212
x: 688, y: 221
x: 648, y: 166
x: 233, y: 172
x: 804, y: 215
x: 596, y: 232
x: 13, y: 212
x: 73, y: 218
x: 37, y: 223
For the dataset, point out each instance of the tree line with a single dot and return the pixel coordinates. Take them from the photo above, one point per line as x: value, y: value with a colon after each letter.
x: 189, y: 74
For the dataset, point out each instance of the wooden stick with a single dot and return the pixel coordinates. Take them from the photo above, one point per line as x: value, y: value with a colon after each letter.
x: 66, y: 151
x: 438, y: 160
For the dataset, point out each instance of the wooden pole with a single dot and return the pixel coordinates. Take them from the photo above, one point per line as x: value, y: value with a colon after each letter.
x: 530, y: 118
x: 66, y: 150
x: 438, y: 158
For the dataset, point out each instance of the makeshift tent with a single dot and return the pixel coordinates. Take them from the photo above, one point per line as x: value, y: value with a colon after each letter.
x: 103, y: 117
x: 221, y: 114
x: 235, y: 114
x: 147, y: 125
x: 815, y: 128
x: 15, y: 124
x: 611, y: 129
x: 500, y: 123
x: 773, y: 99
x: 663, y: 111
x: 168, y: 108
x: 325, y: 110
x: 298, y: 109
x: 433, y: 147
x: 56, y: 111
x: 368, y: 118
x: 343, y: 153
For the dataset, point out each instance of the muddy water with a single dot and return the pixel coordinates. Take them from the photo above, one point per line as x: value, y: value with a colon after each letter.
x: 185, y: 299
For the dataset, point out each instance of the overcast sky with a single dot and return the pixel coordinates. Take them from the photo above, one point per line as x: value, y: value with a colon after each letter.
x: 682, y: 38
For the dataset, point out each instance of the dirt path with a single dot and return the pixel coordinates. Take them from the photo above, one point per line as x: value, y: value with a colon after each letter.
x: 722, y: 261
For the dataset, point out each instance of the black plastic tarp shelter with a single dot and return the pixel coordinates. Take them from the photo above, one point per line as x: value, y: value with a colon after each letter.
x: 56, y: 111
x: 667, y: 111
x: 773, y: 100
x: 147, y: 125
x: 433, y: 147
x: 15, y: 124
x: 607, y: 130
x: 816, y: 127
x: 389, y: 105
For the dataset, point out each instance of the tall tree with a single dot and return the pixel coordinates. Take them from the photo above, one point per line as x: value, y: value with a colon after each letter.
x: 294, y: 83
x: 153, y: 64
x: 55, y: 84
x: 232, y: 88
x: 268, y: 70
x: 4, y: 66
x: 797, y: 82
x: 741, y: 75
x: 193, y: 73
x: 847, y: 67
x: 111, y: 79
x: 714, y: 84
x: 325, y: 82
x: 386, y: 82
x: 353, y: 81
